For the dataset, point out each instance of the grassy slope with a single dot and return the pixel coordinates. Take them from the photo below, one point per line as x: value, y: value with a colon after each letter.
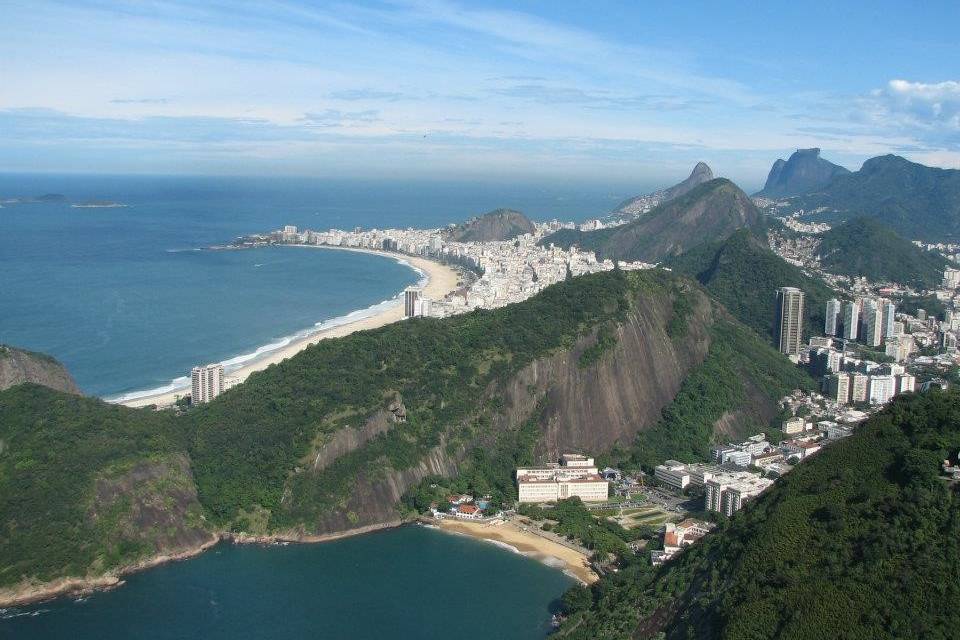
x: 861, y: 541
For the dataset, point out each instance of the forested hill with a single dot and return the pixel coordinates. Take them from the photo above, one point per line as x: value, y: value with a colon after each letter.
x: 866, y: 247
x: 918, y: 202
x: 712, y: 211
x: 328, y: 440
x: 744, y: 274
x: 497, y: 225
x: 860, y: 541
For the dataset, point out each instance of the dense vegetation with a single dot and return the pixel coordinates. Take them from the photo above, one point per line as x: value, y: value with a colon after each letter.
x: 712, y: 210
x: 918, y: 202
x: 594, y: 531
x: 52, y: 447
x: 861, y: 541
x: 866, y: 247
x: 251, y: 450
x: 738, y: 366
x: 744, y: 274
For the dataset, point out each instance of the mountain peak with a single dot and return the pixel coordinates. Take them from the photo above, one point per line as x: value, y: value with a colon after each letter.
x: 804, y: 172
x: 499, y: 224
x: 638, y: 205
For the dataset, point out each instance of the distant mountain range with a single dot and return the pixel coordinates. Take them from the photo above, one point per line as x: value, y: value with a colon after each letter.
x: 866, y: 247
x: 918, y: 202
x: 804, y: 172
x: 710, y: 211
x: 497, y: 225
x: 633, y: 207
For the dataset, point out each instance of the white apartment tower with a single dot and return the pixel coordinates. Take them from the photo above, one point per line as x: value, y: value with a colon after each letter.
x: 206, y: 383
x: 789, y: 327
x: 411, y: 296
x: 872, y: 323
x: 851, y: 320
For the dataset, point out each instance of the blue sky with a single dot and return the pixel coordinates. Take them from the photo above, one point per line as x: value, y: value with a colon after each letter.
x: 597, y: 91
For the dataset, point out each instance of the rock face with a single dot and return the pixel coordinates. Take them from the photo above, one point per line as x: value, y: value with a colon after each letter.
x: 710, y: 212
x: 497, y: 225
x: 580, y: 409
x: 18, y: 366
x: 804, y: 172
x: 629, y: 209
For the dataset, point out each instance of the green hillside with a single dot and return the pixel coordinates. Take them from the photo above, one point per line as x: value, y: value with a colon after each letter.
x: 713, y: 210
x: 860, y: 541
x: 119, y: 485
x: 918, y: 202
x: 866, y: 247
x: 744, y: 274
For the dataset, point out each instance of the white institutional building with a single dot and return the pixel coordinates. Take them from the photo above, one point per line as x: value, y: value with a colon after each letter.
x: 575, y: 475
x: 206, y: 383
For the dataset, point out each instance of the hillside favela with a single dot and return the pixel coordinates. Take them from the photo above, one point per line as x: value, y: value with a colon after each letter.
x: 431, y: 319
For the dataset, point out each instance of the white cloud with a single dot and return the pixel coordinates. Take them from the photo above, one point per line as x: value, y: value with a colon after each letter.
x: 923, y: 104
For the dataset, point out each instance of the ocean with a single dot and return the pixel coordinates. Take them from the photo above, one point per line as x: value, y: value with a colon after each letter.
x: 129, y: 301
x: 411, y: 582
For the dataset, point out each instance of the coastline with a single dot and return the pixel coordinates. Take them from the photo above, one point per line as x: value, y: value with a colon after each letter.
x: 67, y: 587
x: 439, y: 280
x: 573, y: 563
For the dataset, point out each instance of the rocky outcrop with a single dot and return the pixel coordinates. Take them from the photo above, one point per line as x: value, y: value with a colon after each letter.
x: 497, y: 225
x: 633, y: 207
x: 804, y: 172
x: 18, y: 366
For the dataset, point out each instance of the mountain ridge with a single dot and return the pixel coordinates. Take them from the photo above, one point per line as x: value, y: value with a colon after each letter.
x: 804, y: 172
x: 638, y: 205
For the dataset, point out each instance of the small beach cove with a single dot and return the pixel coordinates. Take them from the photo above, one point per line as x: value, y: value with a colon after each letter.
x: 316, y: 590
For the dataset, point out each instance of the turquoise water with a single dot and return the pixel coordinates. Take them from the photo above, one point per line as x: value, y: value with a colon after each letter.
x: 410, y: 582
x: 122, y: 296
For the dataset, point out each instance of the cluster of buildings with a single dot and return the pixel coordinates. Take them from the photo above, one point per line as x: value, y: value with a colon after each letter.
x: 464, y: 507
x: 573, y: 475
x: 509, y: 271
x: 679, y: 535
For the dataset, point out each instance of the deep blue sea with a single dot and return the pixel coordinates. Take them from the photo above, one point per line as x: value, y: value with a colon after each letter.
x: 410, y: 582
x: 126, y: 300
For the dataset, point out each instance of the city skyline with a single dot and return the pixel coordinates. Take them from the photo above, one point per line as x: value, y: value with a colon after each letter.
x: 440, y: 89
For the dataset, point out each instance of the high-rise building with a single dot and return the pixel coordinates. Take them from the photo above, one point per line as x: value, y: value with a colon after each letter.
x: 832, y: 324
x: 906, y: 383
x: 206, y: 383
x: 789, y: 320
x: 951, y: 278
x: 889, y: 318
x: 872, y: 323
x: 882, y: 388
x: 858, y: 387
x: 411, y: 295
x: 838, y: 387
x: 851, y: 320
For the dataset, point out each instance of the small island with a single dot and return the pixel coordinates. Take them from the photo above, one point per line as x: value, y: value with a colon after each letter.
x: 98, y: 204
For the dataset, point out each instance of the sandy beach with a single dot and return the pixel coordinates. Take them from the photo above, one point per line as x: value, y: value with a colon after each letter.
x: 529, y: 544
x: 441, y: 280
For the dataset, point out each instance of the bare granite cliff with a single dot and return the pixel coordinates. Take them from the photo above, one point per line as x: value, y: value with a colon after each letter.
x: 18, y: 366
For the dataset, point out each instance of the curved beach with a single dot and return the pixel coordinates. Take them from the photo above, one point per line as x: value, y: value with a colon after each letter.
x: 440, y: 280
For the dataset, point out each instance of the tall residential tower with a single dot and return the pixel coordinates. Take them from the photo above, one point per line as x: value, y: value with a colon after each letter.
x: 788, y: 330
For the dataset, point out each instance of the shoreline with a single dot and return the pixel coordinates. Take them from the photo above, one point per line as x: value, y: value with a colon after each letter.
x: 507, y: 534
x: 437, y: 281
